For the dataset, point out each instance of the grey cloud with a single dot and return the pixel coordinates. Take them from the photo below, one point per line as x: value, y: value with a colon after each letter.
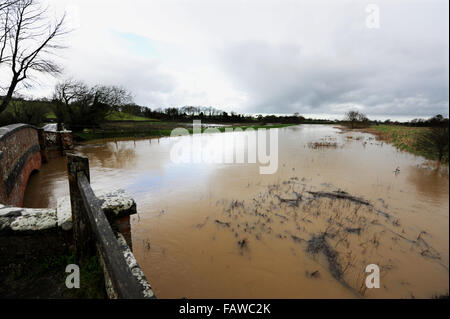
x: 312, y: 57
x: 148, y: 84
x: 390, y: 71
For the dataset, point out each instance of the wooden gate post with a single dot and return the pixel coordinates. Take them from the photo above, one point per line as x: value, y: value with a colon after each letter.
x: 82, y: 234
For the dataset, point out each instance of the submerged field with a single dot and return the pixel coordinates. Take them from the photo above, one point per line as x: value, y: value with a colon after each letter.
x: 338, y: 202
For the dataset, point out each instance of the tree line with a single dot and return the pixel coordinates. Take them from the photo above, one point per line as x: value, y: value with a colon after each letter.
x: 206, y: 114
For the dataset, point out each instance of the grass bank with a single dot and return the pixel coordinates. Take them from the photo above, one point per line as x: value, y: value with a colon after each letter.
x: 150, y: 129
x: 122, y: 116
x: 404, y: 138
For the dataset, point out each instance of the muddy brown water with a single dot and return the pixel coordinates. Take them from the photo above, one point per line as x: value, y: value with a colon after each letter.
x: 334, y: 206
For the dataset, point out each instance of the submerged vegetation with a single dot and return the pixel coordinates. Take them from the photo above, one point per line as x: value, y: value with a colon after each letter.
x: 336, y: 229
x: 428, y: 138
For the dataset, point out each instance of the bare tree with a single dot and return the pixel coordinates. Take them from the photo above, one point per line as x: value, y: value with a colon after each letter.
x: 7, y: 3
x: 70, y: 90
x: 76, y: 102
x: 29, y: 43
x: 66, y: 93
x: 5, y: 10
x: 114, y: 96
x: 355, y: 118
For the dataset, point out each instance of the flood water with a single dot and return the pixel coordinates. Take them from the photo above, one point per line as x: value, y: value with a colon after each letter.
x: 307, y: 231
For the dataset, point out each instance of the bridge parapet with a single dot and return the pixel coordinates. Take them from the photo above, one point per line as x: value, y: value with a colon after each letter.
x: 21, y: 148
x: 93, y: 234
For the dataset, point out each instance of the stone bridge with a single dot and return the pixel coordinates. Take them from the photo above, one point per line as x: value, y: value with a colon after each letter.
x: 23, y: 149
x: 20, y: 155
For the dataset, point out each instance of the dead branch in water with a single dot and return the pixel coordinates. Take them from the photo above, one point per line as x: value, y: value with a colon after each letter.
x: 226, y: 224
x: 318, y: 244
x: 340, y: 195
x: 291, y: 202
x: 346, y: 196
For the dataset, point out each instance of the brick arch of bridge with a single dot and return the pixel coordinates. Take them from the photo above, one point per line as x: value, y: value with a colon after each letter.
x: 21, y: 147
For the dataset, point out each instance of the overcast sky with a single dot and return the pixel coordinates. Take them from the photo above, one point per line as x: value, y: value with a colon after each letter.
x: 311, y: 57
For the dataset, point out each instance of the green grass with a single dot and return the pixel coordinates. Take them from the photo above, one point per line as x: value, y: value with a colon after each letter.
x: 89, y: 135
x: 112, y: 116
x: 121, y: 116
x: 44, y: 277
x: 50, y: 116
x: 147, y: 130
x: 402, y: 137
x: 92, y: 284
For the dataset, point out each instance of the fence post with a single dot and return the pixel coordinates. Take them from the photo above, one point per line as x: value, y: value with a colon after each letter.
x: 82, y: 234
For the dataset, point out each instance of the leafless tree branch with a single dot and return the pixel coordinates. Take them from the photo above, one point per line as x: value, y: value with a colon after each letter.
x: 28, y: 42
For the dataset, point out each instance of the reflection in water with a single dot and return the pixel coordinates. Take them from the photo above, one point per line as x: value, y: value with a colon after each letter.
x: 46, y: 186
x: 117, y: 154
x: 431, y: 183
x: 207, y: 230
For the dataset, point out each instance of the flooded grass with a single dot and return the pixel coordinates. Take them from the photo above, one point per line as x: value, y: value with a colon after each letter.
x: 319, y: 145
x: 403, y: 137
x: 347, y: 231
x: 324, y: 142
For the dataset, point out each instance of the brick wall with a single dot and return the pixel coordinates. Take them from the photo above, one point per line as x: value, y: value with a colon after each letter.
x: 20, y: 155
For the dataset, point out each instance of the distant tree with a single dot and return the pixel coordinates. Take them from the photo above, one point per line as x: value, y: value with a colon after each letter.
x: 133, y: 109
x: 437, y: 120
x: 28, y: 41
x: 78, y: 105
x: 352, y: 117
x: 147, y: 112
x: 436, y: 138
x: 70, y: 90
x: 356, y: 118
x: 172, y: 113
x: 28, y: 112
x: 114, y: 96
x: 65, y: 93
x: 225, y: 116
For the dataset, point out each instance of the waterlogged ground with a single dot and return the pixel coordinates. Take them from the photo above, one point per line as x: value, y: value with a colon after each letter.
x: 338, y: 202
